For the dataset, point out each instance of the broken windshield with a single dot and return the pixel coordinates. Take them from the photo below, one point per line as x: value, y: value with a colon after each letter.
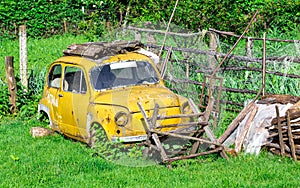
x: 123, y: 74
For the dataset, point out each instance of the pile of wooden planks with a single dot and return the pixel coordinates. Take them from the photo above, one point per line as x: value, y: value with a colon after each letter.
x: 285, y: 133
x: 272, y: 122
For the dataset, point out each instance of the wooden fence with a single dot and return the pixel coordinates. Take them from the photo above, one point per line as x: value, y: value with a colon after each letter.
x: 198, y: 63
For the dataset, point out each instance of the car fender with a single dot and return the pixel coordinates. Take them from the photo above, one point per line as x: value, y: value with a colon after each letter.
x: 45, y: 109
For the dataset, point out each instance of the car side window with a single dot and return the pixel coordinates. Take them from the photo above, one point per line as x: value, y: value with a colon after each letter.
x: 54, y: 76
x: 74, y: 80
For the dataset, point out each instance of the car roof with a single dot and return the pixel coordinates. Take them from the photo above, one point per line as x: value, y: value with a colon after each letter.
x: 87, y: 62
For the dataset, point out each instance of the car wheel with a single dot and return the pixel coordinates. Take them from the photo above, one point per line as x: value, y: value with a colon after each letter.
x: 97, y: 136
x: 44, y: 118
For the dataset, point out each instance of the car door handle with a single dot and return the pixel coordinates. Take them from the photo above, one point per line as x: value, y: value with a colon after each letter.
x: 60, y: 95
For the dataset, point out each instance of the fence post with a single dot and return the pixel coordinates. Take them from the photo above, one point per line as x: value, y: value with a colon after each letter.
x: 264, y: 66
x: 213, y: 48
x: 65, y: 26
x: 23, y: 56
x: 10, y: 77
x: 249, y: 47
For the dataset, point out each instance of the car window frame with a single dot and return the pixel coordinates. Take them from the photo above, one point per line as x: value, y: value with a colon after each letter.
x: 56, y: 79
x: 67, y: 82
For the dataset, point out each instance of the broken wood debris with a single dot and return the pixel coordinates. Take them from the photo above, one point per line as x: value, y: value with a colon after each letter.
x: 284, y: 133
x: 98, y: 50
x: 190, y: 131
x: 272, y: 122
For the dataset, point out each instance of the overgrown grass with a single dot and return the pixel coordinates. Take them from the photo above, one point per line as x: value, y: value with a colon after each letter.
x: 54, y: 161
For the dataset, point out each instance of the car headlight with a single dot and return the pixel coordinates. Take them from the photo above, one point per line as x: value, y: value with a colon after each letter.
x: 121, y: 118
x: 185, y: 108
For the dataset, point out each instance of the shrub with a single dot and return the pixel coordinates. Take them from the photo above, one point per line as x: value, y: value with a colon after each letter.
x: 45, y: 18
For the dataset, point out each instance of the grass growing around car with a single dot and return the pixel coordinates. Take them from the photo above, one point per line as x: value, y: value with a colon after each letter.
x: 58, y: 162
x: 54, y: 161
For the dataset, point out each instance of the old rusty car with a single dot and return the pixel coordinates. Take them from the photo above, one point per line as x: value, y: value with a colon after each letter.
x: 97, y: 86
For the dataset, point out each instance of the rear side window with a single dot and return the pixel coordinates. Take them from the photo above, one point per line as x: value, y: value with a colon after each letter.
x: 74, y: 80
x: 54, y: 77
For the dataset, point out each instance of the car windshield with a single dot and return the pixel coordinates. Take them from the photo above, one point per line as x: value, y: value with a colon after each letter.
x: 123, y: 74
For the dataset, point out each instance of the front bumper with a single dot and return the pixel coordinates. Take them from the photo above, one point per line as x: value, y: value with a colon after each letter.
x: 126, y: 139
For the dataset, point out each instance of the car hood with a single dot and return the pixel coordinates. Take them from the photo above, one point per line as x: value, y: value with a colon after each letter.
x: 147, y: 95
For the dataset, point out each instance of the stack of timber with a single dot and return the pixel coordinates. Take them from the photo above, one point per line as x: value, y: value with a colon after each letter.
x: 285, y: 133
x: 272, y: 122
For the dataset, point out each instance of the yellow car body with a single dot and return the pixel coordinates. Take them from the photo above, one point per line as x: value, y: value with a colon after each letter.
x: 73, y: 101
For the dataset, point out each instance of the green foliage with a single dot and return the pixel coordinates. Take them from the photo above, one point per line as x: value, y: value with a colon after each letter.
x: 46, y: 18
x: 223, y: 15
x: 4, y: 101
x: 42, y: 18
x: 93, y: 27
x: 26, y: 101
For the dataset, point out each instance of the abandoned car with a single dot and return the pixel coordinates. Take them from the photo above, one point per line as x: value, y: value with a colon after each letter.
x: 84, y: 92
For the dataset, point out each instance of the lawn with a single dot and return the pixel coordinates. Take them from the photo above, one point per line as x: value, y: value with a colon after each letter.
x: 55, y: 161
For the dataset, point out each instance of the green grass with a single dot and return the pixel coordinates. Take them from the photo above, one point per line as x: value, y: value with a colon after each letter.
x: 55, y: 161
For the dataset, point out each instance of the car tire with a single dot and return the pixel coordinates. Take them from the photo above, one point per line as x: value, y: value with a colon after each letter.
x: 97, y: 135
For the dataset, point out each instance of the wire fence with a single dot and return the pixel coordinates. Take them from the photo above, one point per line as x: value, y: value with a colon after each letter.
x: 194, y: 56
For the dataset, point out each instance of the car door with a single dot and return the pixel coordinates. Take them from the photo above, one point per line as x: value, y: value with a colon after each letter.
x: 54, y: 82
x: 71, y: 101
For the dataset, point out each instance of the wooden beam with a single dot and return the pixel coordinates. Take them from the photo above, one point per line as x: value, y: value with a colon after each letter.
x: 240, y: 139
x: 160, y: 147
x: 11, y: 80
x: 164, y: 66
x: 186, y: 137
x: 232, y: 48
x: 233, y: 125
x: 163, y: 32
x: 222, y: 55
x: 180, y: 116
x: 281, y: 143
x: 154, y: 115
x: 146, y: 118
x: 291, y: 140
x: 252, y: 38
x: 218, y: 149
x: 264, y: 66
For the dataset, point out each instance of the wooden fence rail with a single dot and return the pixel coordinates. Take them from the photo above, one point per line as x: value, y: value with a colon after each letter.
x: 238, y: 62
x: 251, y: 38
x: 221, y: 55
